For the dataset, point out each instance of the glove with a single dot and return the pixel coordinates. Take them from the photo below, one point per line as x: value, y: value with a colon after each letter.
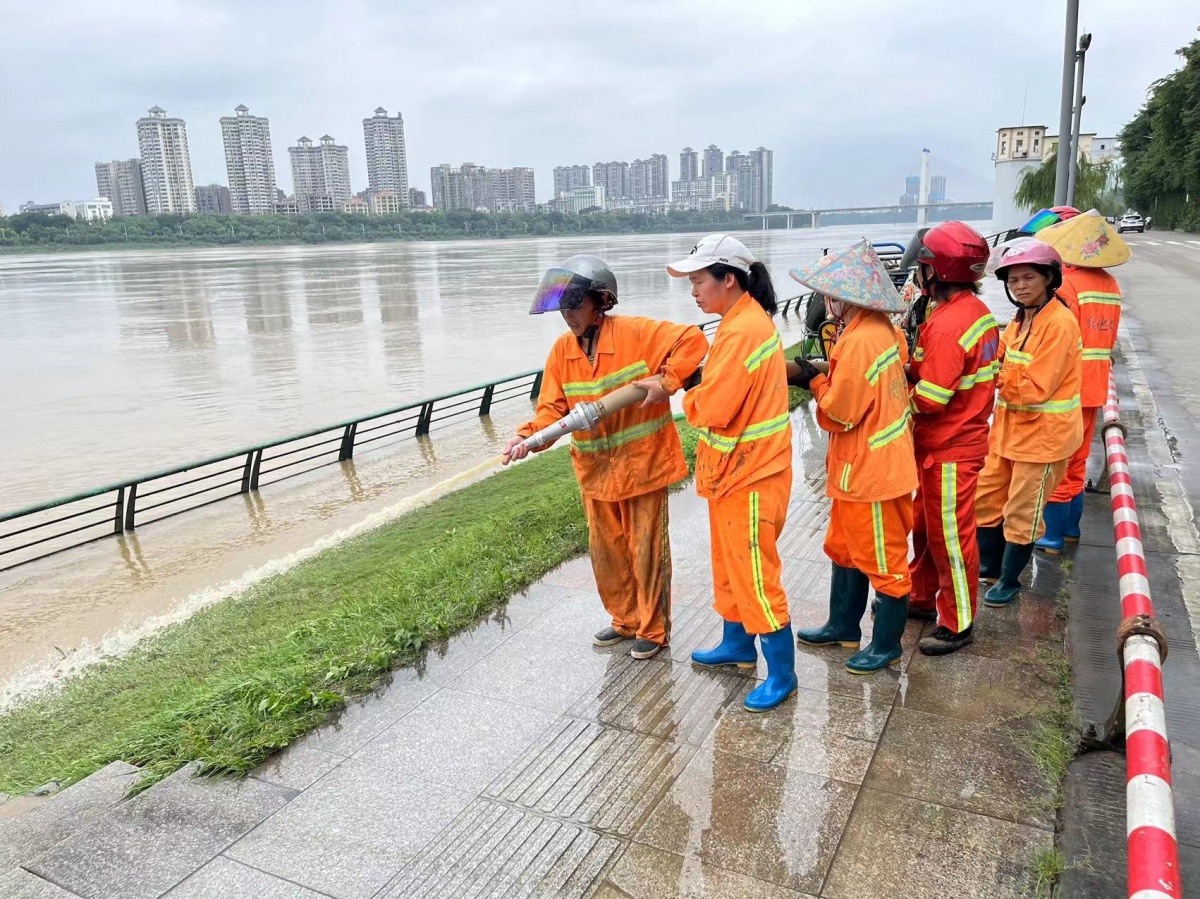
x: 693, y: 380
x: 804, y: 377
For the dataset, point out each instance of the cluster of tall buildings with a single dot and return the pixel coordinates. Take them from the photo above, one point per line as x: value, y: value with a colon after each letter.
x: 912, y: 190
x: 477, y: 187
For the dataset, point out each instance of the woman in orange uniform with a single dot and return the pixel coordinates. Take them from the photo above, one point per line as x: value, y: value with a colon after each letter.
x: 743, y: 462
x: 871, y: 469
x: 1036, y: 426
x: 627, y: 462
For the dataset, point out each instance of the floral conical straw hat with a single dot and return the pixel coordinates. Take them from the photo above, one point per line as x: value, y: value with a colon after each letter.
x: 1087, y: 241
x: 855, y: 275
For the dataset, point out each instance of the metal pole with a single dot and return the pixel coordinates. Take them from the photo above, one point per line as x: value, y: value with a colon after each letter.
x: 1063, y: 171
x: 1085, y: 41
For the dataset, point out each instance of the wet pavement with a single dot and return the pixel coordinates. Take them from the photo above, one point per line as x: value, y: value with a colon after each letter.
x: 519, y: 760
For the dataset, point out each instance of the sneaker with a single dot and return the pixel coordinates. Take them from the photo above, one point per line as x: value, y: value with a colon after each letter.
x: 644, y: 649
x: 944, y: 641
x: 608, y: 637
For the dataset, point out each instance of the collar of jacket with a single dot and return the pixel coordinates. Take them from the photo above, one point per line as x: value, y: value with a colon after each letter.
x: 604, y: 341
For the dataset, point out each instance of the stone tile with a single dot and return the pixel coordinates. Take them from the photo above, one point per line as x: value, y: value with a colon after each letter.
x: 660, y: 699
x: 824, y: 668
x: 20, y: 884
x: 962, y: 764
x: 456, y: 739
x: 1015, y: 633
x: 352, y: 831
x: 693, y: 627
x: 763, y: 821
x: 147, y: 845
x: 366, y: 718
x: 27, y: 836
x: 804, y: 541
x: 594, y: 776
x: 650, y: 873
x: 574, y: 573
x: 975, y: 688
x: 227, y: 878
x: 928, y: 851
x: 445, y: 662
x: 534, y: 602
x: 297, y: 767
x: 819, y: 733
x: 572, y: 618
x: 493, y: 850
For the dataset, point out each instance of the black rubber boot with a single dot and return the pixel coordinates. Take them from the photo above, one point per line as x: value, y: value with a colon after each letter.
x: 991, y: 552
x: 848, y: 591
x: 1008, y: 588
x: 884, y: 649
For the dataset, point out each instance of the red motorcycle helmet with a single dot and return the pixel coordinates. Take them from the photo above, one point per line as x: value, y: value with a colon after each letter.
x: 955, y: 251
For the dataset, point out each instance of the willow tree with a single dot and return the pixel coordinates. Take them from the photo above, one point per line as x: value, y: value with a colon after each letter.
x: 1094, y: 187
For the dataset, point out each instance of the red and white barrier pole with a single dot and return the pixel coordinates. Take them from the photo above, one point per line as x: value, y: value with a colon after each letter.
x: 1153, y: 867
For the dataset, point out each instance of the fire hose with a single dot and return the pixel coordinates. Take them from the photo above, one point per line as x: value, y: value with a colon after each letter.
x: 586, y: 416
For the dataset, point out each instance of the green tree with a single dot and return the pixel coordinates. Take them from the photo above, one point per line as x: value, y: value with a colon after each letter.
x: 1094, y: 187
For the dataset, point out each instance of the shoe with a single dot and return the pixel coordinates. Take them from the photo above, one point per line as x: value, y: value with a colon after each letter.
x: 780, y: 653
x: 944, y: 641
x: 991, y: 552
x: 921, y: 613
x: 644, y: 649
x: 847, y: 601
x: 884, y: 648
x: 736, y: 648
x: 1074, y: 514
x: 1055, y: 516
x: 608, y: 637
x: 1008, y: 588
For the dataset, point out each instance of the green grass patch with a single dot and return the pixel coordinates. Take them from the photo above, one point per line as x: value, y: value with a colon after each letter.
x: 1048, y: 866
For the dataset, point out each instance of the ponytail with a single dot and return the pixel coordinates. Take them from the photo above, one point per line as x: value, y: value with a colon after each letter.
x: 757, y: 283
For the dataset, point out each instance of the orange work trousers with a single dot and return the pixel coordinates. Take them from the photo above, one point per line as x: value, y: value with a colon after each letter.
x: 873, y: 537
x: 1072, y: 483
x: 1015, y: 494
x: 745, y: 526
x: 631, y: 559
x: 945, y: 568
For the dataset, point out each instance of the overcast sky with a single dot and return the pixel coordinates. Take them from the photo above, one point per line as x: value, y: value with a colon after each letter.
x: 845, y: 92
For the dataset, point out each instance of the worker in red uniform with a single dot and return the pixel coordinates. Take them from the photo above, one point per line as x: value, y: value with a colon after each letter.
x: 1088, y: 246
x: 743, y: 462
x: 1036, y: 426
x: 953, y: 373
x: 626, y: 463
x: 870, y: 470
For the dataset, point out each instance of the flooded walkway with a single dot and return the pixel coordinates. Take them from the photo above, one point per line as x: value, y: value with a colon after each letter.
x: 519, y: 760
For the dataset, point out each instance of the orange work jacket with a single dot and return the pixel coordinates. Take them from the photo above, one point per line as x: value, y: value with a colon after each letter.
x: 863, y: 403
x: 741, y: 407
x: 636, y: 450
x: 1095, y: 298
x: 1037, y: 398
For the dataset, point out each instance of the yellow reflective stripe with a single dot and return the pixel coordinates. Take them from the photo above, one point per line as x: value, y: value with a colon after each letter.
x: 622, y: 437
x: 760, y: 590
x: 888, y: 357
x: 1096, y: 354
x: 608, y: 382
x: 974, y: 333
x: 919, y: 354
x: 759, y: 430
x: 1018, y: 358
x: 982, y: 375
x: 763, y: 352
x: 845, y: 481
x: 1099, y: 298
x: 958, y: 565
x: 1040, y: 507
x: 1054, y: 407
x: 934, y: 393
x: 880, y: 542
x: 882, y: 438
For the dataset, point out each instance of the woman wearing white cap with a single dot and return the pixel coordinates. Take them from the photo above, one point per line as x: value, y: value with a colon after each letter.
x: 743, y: 462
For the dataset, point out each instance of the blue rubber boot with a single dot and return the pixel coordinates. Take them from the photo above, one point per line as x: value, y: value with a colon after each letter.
x: 780, y: 653
x: 891, y: 614
x: 991, y: 552
x: 1055, y: 517
x: 1008, y: 588
x: 848, y: 593
x: 1074, y: 514
x: 736, y: 648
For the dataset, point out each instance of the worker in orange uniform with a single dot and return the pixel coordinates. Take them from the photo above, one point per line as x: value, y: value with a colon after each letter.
x: 1088, y: 246
x: 626, y: 463
x: 870, y: 468
x: 954, y: 376
x: 1036, y: 426
x: 743, y: 462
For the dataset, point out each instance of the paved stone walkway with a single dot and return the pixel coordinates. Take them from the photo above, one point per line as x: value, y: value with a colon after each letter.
x: 521, y: 761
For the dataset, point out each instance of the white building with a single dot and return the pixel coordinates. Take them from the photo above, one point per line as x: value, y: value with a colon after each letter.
x: 66, y: 207
x: 569, y: 177
x: 166, y: 163
x: 97, y: 210
x: 387, y: 156
x: 121, y: 181
x: 577, y: 199
x: 320, y: 175
x: 249, y: 162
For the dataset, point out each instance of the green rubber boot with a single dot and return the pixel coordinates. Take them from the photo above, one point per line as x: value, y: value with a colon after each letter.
x: 1008, y: 588
x: 991, y: 552
x: 847, y: 601
x: 884, y: 648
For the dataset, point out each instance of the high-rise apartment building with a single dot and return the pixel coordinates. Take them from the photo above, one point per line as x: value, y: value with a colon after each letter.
x: 249, y: 161
x: 320, y: 175
x: 166, y: 163
x: 214, y: 199
x: 569, y: 177
x: 513, y: 191
x: 650, y: 179
x: 477, y: 187
x: 689, y: 165
x: 762, y: 168
x: 121, y: 182
x: 578, y: 199
x: 613, y: 177
x: 713, y: 162
x: 937, y: 189
x: 416, y: 198
x: 387, y: 156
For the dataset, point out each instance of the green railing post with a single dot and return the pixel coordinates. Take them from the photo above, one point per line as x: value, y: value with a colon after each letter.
x: 247, y: 470
x: 119, y: 513
x: 131, y: 507
x: 485, y: 406
x: 255, y: 467
x: 537, y: 386
x: 424, y: 420
x: 347, y: 450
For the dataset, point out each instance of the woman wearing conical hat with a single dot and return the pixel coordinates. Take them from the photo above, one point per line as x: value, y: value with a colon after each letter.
x: 871, y: 469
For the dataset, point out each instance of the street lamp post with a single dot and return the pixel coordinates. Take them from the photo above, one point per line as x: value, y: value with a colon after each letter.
x: 1063, y: 172
x: 1085, y: 41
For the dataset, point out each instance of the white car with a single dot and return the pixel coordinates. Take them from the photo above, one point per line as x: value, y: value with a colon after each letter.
x: 1131, y: 222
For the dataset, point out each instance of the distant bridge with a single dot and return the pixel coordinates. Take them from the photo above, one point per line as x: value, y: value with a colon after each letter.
x: 922, y: 210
